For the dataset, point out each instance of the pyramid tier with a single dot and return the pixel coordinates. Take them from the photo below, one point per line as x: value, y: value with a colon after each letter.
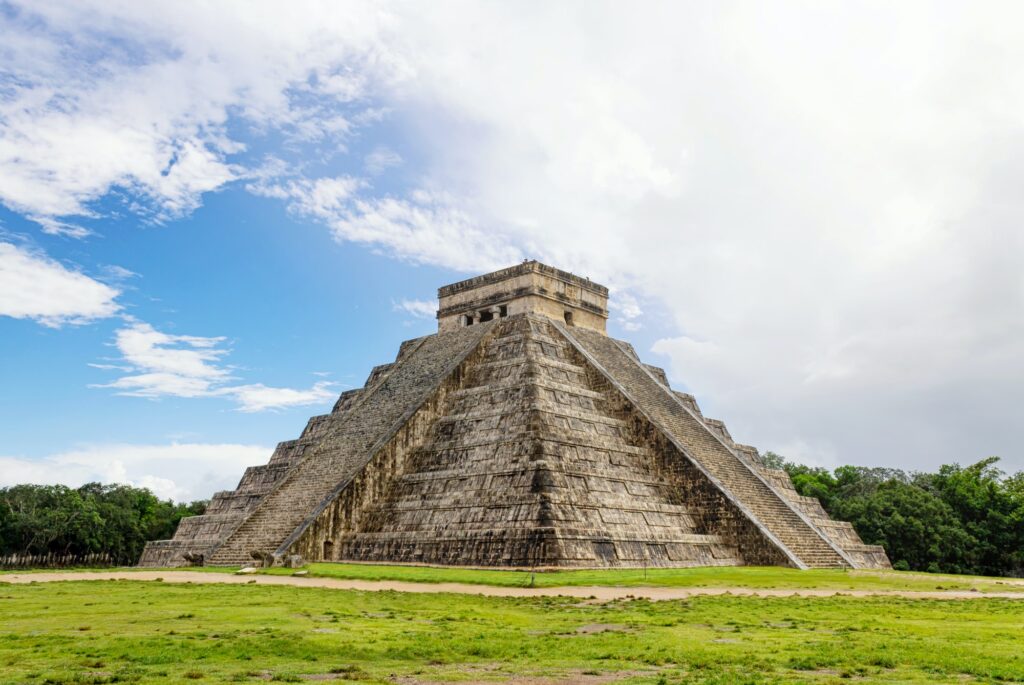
x: 518, y: 442
x: 529, y: 468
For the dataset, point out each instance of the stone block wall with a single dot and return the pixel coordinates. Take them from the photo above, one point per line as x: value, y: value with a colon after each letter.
x: 521, y: 443
x: 524, y: 467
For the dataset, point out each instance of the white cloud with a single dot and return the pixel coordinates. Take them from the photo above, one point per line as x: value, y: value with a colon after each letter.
x: 180, y: 471
x: 381, y: 159
x: 426, y: 228
x: 258, y: 397
x: 53, y: 226
x: 179, y: 365
x: 322, y: 198
x: 33, y: 286
x: 163, y: 365
x: 831, y: 223
x: 112, y: 273
x: 824, y: 199
x: 627, y: 310
x: 120, y: 96
x: 421, y: 309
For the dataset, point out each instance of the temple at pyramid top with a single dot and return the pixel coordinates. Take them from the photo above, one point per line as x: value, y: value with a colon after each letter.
x: 527, y: 288
x: 518, y: 435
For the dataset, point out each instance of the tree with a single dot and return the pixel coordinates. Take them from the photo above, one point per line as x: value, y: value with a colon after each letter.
x: 115, y: 519
x: 989, y: 509
x: 913, y: 526
x: 813, y: 482
x: 958, y: 520
x: 773, y: 460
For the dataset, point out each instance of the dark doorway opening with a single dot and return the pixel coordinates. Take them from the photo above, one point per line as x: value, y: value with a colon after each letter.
x: 328, y: 550
x: 568, y: 318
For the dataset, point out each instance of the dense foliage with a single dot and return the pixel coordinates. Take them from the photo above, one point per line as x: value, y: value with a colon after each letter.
x: 116, y: 519
x: 958, y: 520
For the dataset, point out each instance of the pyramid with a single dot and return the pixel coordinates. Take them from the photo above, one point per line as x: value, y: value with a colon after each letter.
x: 518, y: 435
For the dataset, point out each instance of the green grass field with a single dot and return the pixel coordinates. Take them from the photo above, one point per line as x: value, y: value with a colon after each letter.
x: 769, y: 577
x: 151, y: 632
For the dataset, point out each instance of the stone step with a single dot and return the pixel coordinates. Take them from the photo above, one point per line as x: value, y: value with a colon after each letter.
x: 345, y: 449
x: 442, y: 533
x: 531, y: 407
x: 525, y: 360
x: 582, y: 441
x: 521, y: 383
x: 528, y: 336
x: 696, y: 439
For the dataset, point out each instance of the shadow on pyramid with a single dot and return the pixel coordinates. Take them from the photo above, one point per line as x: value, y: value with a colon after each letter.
x: 519, y: 435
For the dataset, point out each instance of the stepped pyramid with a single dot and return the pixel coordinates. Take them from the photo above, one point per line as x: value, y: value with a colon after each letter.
x: 518, y: 435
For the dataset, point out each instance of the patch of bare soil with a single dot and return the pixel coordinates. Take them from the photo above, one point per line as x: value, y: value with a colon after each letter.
x: 600, y: 594
x: 601, y: 628
x: 569, y: 678
x: 940, y: 577
x: 348, y: 673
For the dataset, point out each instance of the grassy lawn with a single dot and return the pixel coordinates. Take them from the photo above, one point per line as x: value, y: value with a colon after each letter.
x: 749, y: 577
x: 116, y: 631
x: 768, y: 577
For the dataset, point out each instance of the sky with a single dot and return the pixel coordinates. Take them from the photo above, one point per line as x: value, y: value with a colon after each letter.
x: 215, y: 217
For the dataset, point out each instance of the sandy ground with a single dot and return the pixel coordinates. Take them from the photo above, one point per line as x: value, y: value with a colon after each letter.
x: 597, y: 593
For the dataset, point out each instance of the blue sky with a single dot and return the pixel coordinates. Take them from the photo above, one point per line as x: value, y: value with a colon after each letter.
x: 215, y: 219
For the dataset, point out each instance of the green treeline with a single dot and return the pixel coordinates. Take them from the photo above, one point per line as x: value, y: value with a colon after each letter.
x: 116, y: 519
x: 959, y: 520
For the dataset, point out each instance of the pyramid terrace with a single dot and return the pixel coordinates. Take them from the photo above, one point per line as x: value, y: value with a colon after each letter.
x: 518, y: 435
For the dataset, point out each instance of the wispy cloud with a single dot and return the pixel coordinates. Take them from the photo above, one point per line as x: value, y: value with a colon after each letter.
x: 259, y: 397
x: 54, y: 226
x: 164, y: 365
x: 381, y: 159
x: 178, y: 365
x: 180, y: 471
x: 855, y: 220
x: 421, y: 309
x: 627, y: 310
x: 138, y: 99
x: 425, y: 227
x: 117, y: 275
x: 34, y: 286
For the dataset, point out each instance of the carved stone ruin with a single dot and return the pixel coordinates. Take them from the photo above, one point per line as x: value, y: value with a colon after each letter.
x: 518, y: 435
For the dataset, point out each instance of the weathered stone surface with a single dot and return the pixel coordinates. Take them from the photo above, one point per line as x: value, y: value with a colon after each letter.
x: 530, y: 287
x: 521, y: 440
x: 526, y: 467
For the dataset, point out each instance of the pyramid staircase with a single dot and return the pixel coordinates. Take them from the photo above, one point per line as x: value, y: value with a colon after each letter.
x: 527, y: 467
x: 793, y: 532
x: 517, y: 442
x: 346, y: 446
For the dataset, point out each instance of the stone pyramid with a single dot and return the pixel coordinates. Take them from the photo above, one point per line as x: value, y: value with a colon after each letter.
x: 519, y: 435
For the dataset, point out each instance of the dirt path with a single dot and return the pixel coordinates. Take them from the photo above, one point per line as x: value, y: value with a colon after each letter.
x: 603, y: 593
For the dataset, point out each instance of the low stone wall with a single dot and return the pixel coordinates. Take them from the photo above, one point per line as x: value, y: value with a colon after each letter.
x: 171, y: 553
